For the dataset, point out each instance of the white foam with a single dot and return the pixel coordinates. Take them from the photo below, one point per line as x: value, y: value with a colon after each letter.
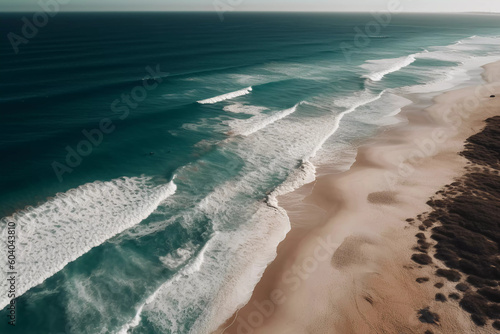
x: 236, y: 256
x: 248, y: 231
x: 254, y: 124
x: 382, y: 67
x: 458, y: 52
x: 445, y: 54
x: 270, y: 223
x: 397, y: 103
x: 239, y: 108
x: 209, y: 289
x: 352, y: 103
x: 203, y: 274
x: 317, y: 71
x: 134, y: 322
x: 222, y: 279
x: 227, y: 96
x: 303, y: 175
x: 71, y: 224
x: 269, y: 227
x: 484, y: 40
x: 449, y: 78
x: 193, y: 267
x: 469, y: 54
x: 177, y: 258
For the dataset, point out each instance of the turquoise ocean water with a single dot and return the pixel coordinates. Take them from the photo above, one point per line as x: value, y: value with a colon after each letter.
x: 142, y: 153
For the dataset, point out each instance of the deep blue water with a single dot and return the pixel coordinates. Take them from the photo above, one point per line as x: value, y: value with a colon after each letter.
x: 158, y: 218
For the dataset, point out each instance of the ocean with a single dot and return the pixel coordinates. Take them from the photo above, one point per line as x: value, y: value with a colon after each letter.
x: 143, y: 153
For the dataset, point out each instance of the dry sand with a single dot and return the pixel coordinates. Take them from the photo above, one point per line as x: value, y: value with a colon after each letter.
x: 345, y: 267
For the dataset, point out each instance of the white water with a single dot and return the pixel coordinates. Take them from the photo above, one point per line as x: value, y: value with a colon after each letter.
x: 380, y: 68
x: 239, y: 108
x: 194, y: 266
x: 211, y: 288
x: 177, y: 258
x: 227, y: 96
x: 352, y: 103
x: 247, y: 250
x: 254, y: 124
x: 303, y: 175
x: 201, y: 280
x: 450, y: 77
x: 71, y: 224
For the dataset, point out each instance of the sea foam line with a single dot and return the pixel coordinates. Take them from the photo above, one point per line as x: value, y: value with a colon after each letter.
x: 254, y: 124
x: 191, y: 268
x: 396, y: 65
x: 248, y: 274
x: 227, y: 96
x: 306, y: 173
x: 69, y: 225
x: 337, y: 122
x: 254, y: 252
x: 168, y: 305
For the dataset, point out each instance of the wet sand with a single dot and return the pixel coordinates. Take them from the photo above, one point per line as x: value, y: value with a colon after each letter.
x: 381, y: 247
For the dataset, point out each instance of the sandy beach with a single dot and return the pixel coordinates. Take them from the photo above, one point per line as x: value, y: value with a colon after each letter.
x: 367, y: 252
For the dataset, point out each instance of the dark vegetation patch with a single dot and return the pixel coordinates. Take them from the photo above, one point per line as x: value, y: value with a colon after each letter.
x: 422, y: 279
x: 440, y: 297
x: 465, y: 223
x: 474, y: 303
x: 428, y: 223
x: 478, y: 320
x: 449, y: 274
x: 428, y: 317
x: 496, y: 325
x: 421, y: 258
x: 420, y: 236
x: 493, y: 311
x: 423, y: 246
x: 439, y: 285
x: 483, y: 148
x: 492, y: 295
x: 479, y: 282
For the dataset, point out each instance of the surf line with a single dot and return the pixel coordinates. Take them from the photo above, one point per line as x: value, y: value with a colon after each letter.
x: 227, y: 96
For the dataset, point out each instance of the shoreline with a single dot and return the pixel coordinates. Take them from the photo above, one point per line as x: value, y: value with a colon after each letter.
x: 345, y: 266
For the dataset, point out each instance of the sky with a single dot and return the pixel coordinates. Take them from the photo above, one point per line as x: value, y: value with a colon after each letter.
x: 257, y: 5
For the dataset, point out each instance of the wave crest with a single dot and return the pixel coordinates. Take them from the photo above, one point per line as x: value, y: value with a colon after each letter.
x: 254, y: 124
x: 69, y: 225
x: 380, y: 68
x: 227, y: 96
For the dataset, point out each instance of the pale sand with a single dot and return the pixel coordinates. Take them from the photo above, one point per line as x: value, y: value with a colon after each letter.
x: 365, y: 281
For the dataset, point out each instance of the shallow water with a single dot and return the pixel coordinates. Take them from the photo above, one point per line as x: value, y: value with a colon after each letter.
x: 165, y: 222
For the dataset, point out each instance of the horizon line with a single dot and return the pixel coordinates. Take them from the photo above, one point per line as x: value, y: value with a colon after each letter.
x: 246, y: 11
